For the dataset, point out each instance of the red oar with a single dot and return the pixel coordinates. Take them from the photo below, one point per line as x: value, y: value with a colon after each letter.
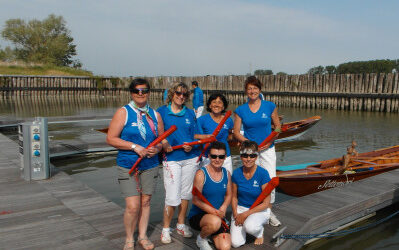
x: 197, y: 193
x: 272, y: 184
x: 207, y: 140
x: 273, y: 136
x: 152, y: 144
x: 215, y: 132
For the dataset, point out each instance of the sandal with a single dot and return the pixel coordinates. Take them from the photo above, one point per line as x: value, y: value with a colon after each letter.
x: 147, y: 245
x: 127, y: 243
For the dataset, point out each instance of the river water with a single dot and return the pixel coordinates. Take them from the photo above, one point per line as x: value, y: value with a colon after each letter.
x: 328, y: 139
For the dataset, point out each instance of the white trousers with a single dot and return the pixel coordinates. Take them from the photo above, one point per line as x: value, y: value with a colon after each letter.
x: 252, y: 225
x: 227, y: 164
x: 267, y: 160
x: 178, y: 177
x: 198, y: 111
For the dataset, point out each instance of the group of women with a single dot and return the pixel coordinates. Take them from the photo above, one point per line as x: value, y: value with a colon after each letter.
x: 136, y: 125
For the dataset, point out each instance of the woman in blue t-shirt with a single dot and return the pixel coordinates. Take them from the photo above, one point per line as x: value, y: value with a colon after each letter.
x: 216, y: 106
x: 213, y: 181
x: 248, y: 183
x: 257, y: 117
x: 180, y: 165
x: 131, y: 130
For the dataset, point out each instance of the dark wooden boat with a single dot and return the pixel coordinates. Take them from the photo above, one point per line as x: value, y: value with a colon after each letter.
x: 293, y: 130
x: 338, y: 172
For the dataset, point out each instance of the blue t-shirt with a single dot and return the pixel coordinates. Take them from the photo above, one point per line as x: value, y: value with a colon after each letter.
x: 257, y: 126
x: 207, y: 125
x: 187, y: 126
x: 130, y: 132
x: 213, y: 191
x: 198, y: 98
x: 165, y: 95
x: 249, y: 190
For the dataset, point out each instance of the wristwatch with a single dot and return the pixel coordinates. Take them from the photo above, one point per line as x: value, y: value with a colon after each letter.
x: 133, y: 146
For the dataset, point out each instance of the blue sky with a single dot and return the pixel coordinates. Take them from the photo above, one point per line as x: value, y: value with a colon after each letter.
x: 219, y: 37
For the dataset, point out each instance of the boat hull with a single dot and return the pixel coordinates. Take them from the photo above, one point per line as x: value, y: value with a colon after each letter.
x: 299, y: 187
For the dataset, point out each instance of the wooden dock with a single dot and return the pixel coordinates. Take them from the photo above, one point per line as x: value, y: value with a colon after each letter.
x: 62, y: 213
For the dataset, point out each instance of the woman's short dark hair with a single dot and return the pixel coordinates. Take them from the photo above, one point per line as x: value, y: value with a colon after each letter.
x: 249, y: 145
x: 174, y: 88
x: 217, y: 145
x: 253, y: 81
x: 138, y: 81
x: 214, y: 97
x: 195, y: 83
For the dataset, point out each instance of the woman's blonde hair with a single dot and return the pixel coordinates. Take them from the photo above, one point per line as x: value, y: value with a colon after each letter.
x: 172, y: 90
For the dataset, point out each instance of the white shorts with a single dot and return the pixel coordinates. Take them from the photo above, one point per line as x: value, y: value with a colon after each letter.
x: 198, y: 111
x: 227, y: 164
x: 267, y: 160
x: 178, y: 177
x: 252, y: 225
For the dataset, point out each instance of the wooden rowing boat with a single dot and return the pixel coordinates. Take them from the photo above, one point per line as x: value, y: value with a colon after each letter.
x: 338, y: 172
x: 293, y: 130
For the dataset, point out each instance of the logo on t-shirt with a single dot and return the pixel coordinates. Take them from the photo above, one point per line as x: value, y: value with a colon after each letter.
x: 188, y: 121
x: 264, y: 115
x: 225, y: 126
x: 134, y: 124
x: 255, y: 184
x: 224, y: 186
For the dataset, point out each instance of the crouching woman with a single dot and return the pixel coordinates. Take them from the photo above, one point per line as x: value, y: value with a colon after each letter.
x: 214, y: 182
x: 248, y: 182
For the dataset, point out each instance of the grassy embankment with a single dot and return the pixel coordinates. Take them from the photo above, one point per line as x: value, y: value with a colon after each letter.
x: 43, y: 70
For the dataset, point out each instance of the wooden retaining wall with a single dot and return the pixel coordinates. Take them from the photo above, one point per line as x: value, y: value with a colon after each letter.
x: 358, y: 92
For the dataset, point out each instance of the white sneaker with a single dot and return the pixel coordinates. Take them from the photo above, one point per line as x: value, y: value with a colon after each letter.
x: 184, y: 230
x: 202, y: 243
x: 273, y: 221
x: 165, y: 236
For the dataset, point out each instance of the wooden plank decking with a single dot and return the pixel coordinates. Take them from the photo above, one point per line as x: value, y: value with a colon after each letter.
x: 62, y: 213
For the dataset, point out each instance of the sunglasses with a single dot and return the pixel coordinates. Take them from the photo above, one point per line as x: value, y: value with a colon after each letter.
x: 143, y: 91
x: 179, y: 93
x: 249, y: 155
x: 217, y: 156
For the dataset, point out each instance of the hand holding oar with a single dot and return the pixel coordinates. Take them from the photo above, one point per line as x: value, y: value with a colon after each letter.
x: 152, y: 144
x: 215, y: 132
x: 197, y: 193
x: 272, y: 184
x: 273, y: 136
x: 207, y: 140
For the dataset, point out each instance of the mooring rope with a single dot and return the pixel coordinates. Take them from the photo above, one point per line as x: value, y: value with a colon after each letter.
x: 340, y: 233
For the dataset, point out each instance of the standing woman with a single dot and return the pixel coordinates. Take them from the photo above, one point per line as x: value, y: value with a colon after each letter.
x: 216, y: 106
x: 180, y: 165
x: 131, y: 130
x: 257, y: 117
x: 248, y: 183
x: 214, y: 182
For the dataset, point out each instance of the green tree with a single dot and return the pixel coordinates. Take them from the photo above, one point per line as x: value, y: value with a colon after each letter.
x: 331, y: 69
x: 281, y: 73
x: 48, y: 41
x: 374, y: 66
x: 316, y: 70
x: 263, y: 72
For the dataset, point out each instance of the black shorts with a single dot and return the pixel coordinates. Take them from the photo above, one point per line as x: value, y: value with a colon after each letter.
x: 195, y: 224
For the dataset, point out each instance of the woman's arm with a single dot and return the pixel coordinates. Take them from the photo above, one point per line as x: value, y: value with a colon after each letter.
x: 155, y: 150
x: 237, y: 129
x: 114, y: 131
x: 276, y: 120
x: 234, y: 201
x: 227, y: 197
